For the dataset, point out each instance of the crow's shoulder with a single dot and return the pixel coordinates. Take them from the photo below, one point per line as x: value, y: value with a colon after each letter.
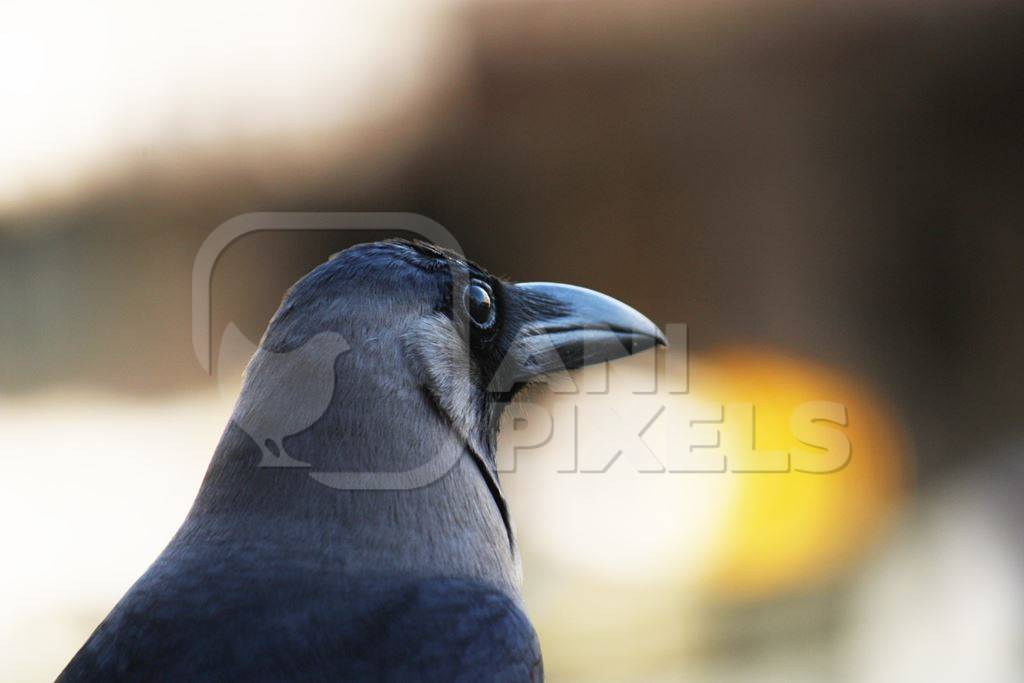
x: 182, y: 627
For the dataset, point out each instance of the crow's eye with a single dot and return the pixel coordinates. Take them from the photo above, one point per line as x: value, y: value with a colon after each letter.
x: 480, y: 305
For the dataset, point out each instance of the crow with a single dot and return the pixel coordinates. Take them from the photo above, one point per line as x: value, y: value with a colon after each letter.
x: 380, y: 548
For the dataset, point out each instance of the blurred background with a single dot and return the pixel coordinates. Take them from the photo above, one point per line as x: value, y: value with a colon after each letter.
x: 829, y: 195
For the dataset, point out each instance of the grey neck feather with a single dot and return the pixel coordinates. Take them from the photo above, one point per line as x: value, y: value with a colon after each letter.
x: 396, y: 407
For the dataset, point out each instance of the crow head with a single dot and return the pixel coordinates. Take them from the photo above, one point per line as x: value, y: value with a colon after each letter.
x: 412, y: 314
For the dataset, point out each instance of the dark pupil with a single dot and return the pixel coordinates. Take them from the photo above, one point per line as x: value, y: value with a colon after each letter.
x: 478, y: 302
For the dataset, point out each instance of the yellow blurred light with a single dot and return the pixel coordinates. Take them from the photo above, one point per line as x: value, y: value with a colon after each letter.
x: 787, y: 530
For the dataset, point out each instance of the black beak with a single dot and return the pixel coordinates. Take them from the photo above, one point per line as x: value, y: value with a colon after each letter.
x: 571, y: 327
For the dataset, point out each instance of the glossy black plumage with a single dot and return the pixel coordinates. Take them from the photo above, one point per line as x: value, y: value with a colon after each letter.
x: 280, y: 620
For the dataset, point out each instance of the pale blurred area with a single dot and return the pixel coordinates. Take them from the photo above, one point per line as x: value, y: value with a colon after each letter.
x: 828, y: 195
